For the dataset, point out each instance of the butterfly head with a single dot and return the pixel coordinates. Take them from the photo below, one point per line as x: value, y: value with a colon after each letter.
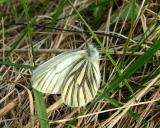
x: 93, y: 53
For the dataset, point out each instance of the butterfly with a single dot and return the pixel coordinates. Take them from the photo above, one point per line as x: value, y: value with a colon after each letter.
x: 74, y: 74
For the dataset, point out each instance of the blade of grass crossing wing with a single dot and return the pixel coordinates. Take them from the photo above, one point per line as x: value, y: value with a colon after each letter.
x: 41, y: 109
x: 40, y: 104
x: 105, y: 50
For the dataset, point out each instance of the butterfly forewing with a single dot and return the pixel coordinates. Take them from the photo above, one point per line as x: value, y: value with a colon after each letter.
x: 49, y: 76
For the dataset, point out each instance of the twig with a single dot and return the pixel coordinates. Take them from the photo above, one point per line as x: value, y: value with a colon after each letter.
x: 46, y: 51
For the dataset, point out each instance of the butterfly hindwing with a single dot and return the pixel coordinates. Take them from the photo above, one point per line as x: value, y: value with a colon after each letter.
x: 81, y: 84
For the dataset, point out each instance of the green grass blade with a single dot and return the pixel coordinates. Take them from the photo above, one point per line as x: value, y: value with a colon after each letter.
x: 41, y: 109
x: 151, y: 29
x: 18, y: 41
x: 133, y: 11
x: 115, y: 103
x: 40, y: 104
x: 59, y: 10
x: 29, y: 28
x: 127, y: 73
x: 16, y: 65
x: 133, y: 68
x: 130, y: 71
x: 105, y: 50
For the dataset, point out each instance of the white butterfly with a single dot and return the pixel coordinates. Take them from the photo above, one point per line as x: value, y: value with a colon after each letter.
x: 75, y: 75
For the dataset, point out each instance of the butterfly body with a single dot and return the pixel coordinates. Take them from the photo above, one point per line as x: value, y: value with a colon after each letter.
x: 75, y: 75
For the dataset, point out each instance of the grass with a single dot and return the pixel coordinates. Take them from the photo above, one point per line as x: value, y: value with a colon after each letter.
x: 130, y: 65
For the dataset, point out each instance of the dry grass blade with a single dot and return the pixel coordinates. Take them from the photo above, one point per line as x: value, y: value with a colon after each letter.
x: 33, y: 32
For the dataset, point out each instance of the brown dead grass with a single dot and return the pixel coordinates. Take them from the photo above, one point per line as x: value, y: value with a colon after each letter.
x: 17, y: 106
